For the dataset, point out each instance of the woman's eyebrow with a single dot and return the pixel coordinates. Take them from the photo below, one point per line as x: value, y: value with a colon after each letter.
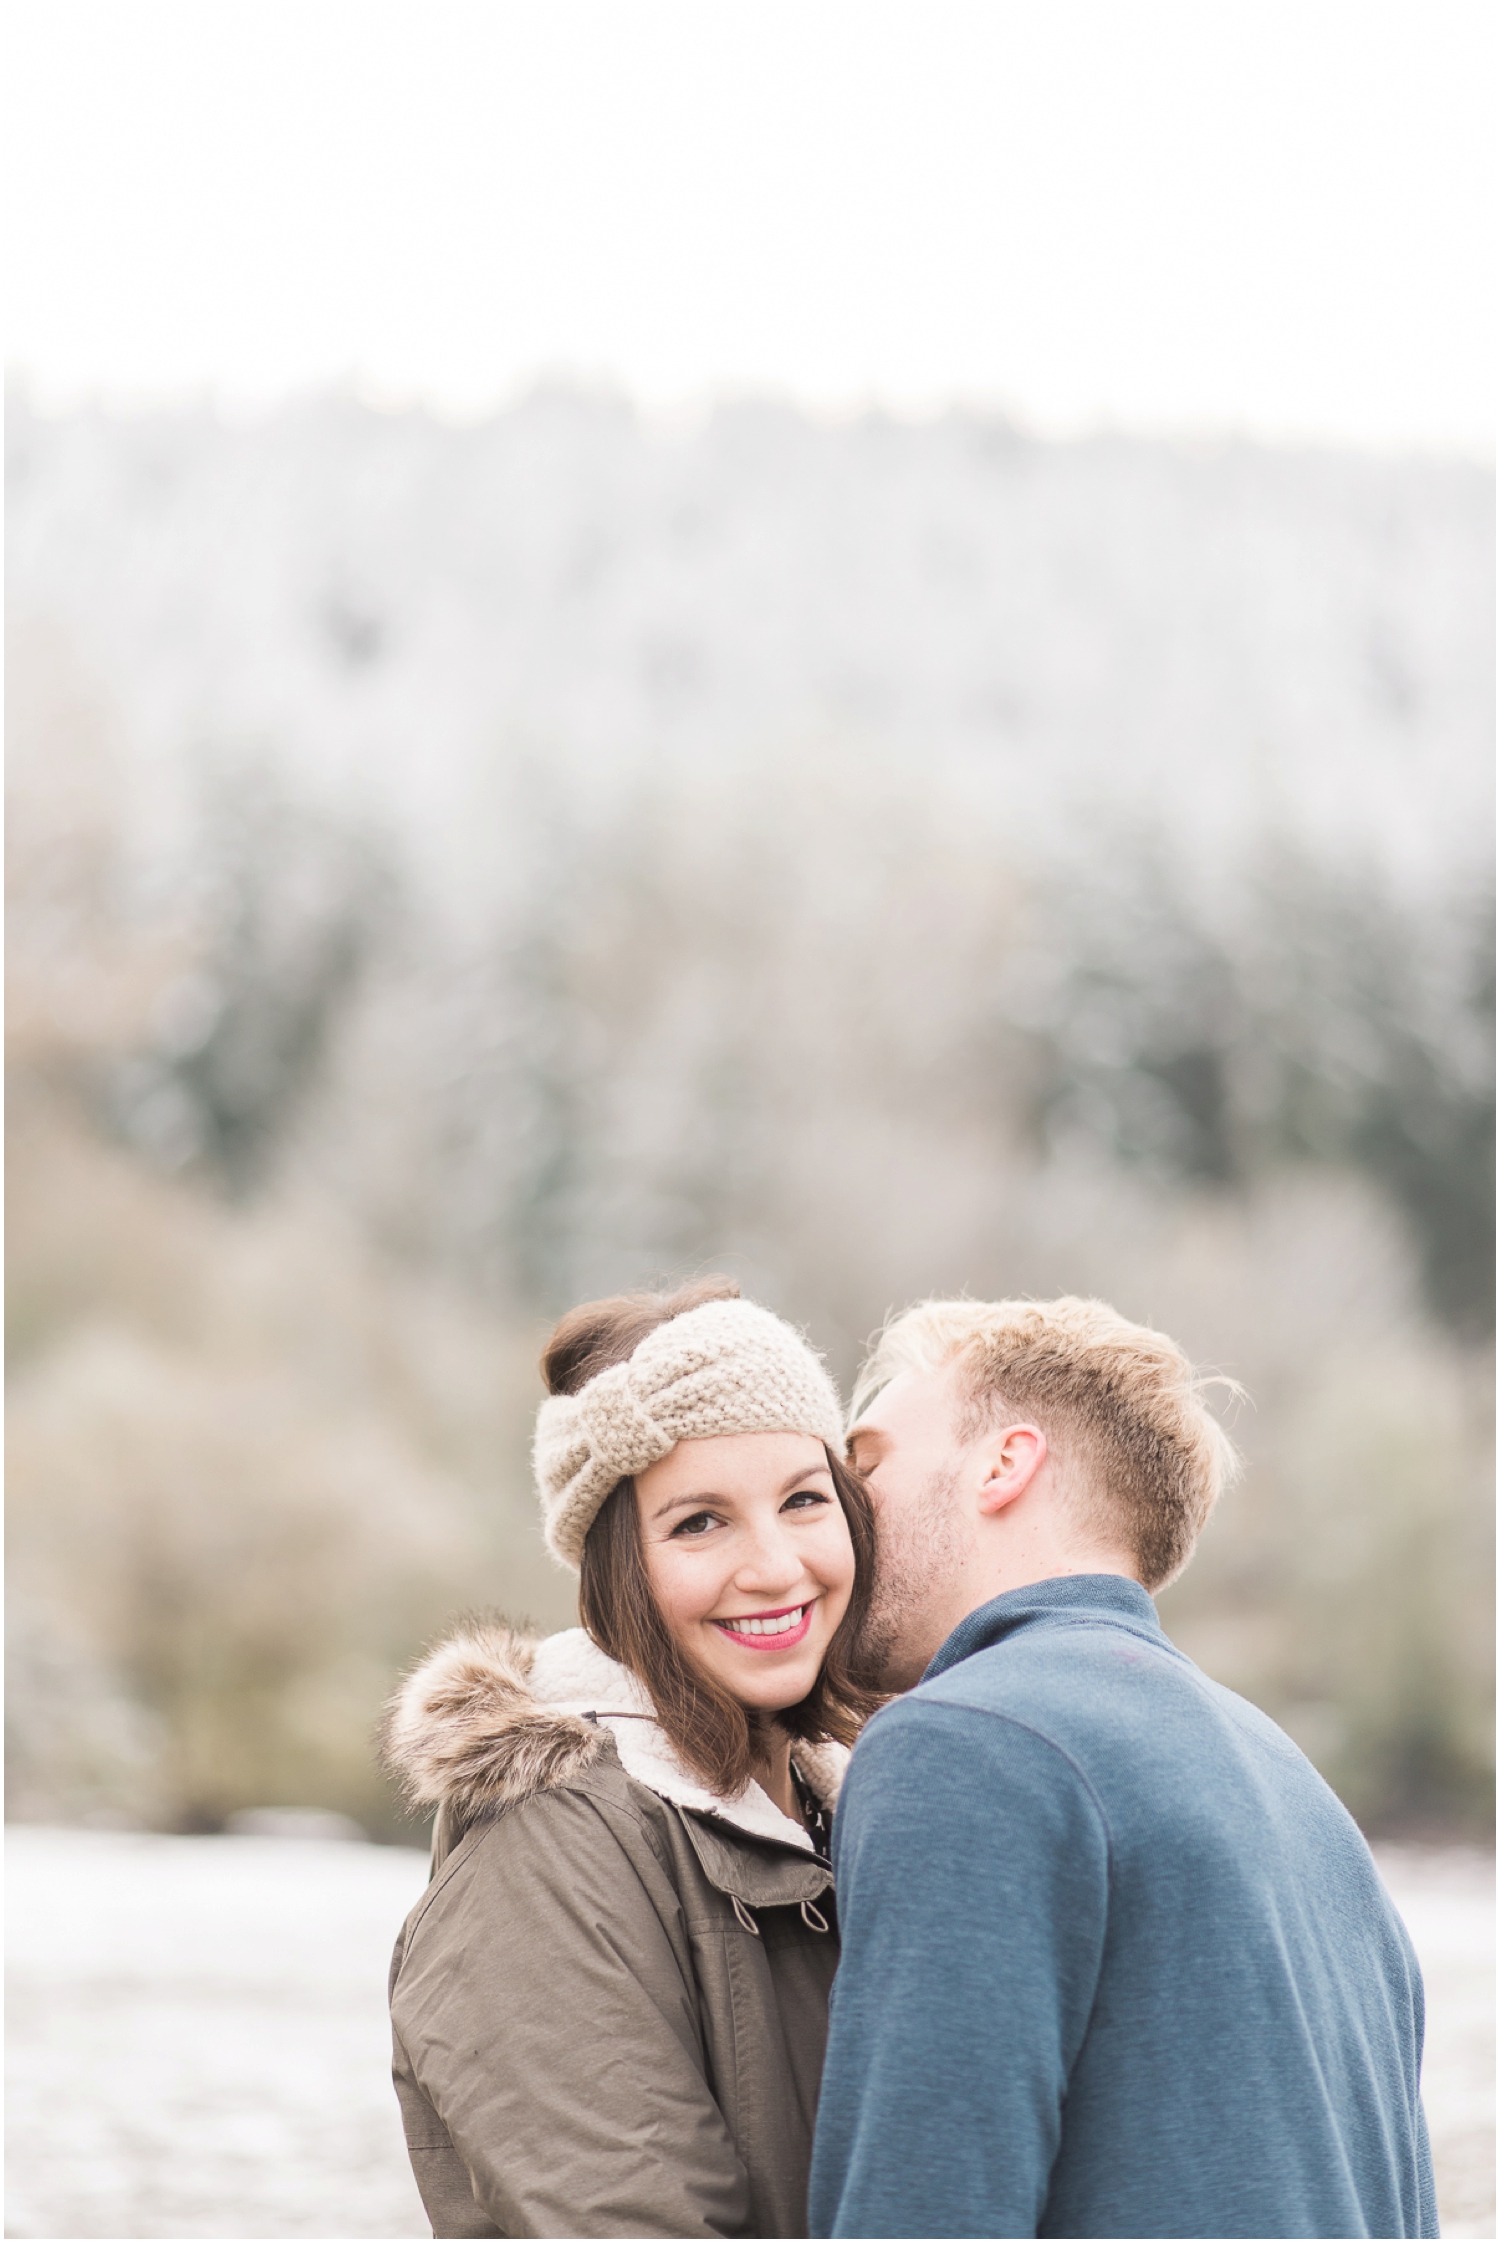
x: 678, y: 1502
x: 808, y: 1472
x: 697, y: 1502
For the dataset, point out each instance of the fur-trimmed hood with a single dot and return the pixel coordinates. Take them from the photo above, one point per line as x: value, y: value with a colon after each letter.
x: 491, y: 1717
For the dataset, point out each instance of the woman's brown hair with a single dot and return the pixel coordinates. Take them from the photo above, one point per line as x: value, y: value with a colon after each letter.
x: 712, y: 1731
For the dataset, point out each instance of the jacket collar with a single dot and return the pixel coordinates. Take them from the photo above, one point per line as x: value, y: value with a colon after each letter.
x: 770, y: 1876
x: 571, y: 1675
x: 490, y: 1717
x: 1106, y: 1597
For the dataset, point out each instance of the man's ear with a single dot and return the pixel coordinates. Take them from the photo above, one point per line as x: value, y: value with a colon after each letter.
x: 1010, y: 1462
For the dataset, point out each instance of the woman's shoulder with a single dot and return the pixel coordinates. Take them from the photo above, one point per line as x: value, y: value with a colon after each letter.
x: 534, y: 1813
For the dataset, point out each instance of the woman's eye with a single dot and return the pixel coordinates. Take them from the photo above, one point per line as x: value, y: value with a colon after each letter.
x: 804, y: 1497
x: 695, y: 1527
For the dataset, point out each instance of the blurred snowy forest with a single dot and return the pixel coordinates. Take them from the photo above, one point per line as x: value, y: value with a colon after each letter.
x: 459, y: 870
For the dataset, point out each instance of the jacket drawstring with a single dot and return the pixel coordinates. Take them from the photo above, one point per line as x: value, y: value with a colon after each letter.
x: 814, y: 1918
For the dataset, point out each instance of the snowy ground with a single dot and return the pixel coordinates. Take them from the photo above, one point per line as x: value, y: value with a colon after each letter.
x: 1448, y: 1900
x: 198, y: 2036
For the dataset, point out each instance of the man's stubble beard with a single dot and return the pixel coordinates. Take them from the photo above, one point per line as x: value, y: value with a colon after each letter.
x: 922, y: 1547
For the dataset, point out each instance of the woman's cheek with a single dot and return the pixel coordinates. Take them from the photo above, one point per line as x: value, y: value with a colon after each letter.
x: 686, y: 1591
x: 667, y: 1582
x: 835, y: 1560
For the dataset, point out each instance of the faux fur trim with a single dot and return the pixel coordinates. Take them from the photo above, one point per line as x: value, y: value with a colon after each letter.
x: 491, y: 1717
x: 464, y: 1731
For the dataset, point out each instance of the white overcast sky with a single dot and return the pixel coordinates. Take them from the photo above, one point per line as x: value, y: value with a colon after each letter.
x: 1268, y: 215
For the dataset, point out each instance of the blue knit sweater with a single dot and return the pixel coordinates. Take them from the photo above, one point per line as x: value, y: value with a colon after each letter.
x: 1115, y: 1960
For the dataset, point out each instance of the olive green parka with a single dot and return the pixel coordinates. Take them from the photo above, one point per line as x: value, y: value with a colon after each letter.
x: 610, y: 2005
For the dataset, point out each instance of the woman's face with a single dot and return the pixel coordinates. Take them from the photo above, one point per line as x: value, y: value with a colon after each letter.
x: 748, y: 1552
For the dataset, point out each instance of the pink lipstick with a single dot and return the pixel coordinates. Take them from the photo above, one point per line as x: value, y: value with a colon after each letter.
x: 768, y: 1631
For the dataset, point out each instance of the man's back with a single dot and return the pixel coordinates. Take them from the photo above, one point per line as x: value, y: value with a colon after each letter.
x: 1116, y: 1961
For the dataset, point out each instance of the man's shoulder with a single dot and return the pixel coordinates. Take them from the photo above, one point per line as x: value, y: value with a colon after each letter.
x: 1148, y: 1736
x: 1052, y: 1675
x: 992, y: 1710
x: 938, y: 1771
x: 1101, y: 1694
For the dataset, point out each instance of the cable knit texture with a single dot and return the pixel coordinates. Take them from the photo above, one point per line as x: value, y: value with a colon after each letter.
x: 727, y: 1367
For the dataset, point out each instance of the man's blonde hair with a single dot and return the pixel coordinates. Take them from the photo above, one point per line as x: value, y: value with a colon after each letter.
x: 1119, y: 1403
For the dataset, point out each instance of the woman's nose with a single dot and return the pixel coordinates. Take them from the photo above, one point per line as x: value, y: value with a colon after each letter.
x: 774, y: 1563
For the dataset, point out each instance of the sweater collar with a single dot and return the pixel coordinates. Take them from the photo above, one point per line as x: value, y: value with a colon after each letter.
x: 1095, y: 1596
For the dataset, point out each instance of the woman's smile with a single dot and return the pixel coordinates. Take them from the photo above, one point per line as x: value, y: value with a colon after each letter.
x: 769, y: 1631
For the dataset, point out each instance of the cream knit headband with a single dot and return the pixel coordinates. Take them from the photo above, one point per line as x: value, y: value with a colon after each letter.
x: 728, y: 1367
